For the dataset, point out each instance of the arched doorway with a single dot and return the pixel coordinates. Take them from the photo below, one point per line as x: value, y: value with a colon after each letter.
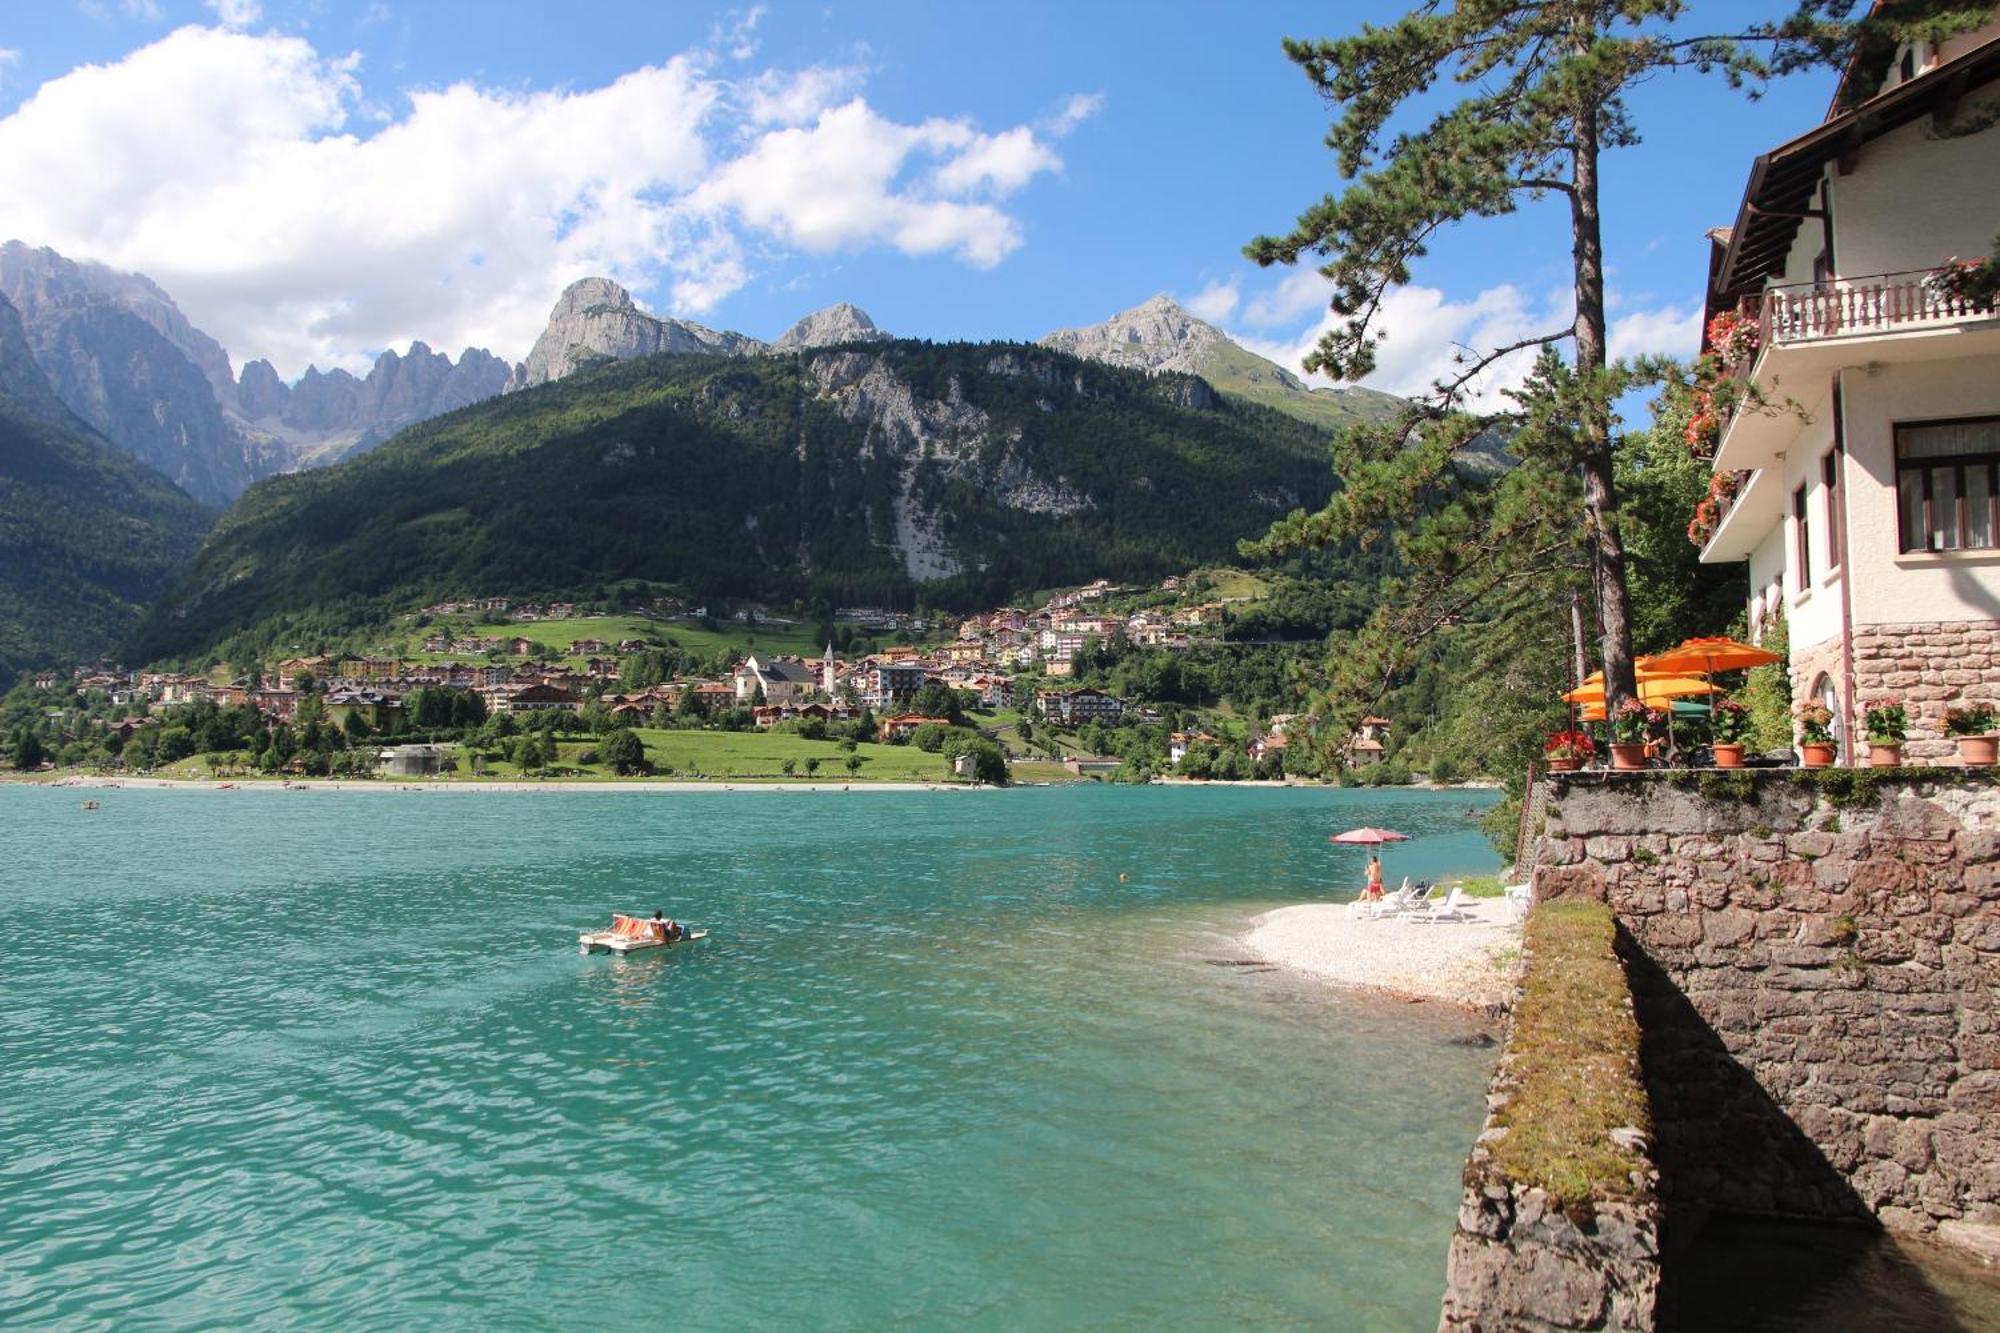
x: 1825, y: 694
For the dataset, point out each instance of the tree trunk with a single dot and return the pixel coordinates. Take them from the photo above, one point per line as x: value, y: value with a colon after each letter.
x: 1607, y: 551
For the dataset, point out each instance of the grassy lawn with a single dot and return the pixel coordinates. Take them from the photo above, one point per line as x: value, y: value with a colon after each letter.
x: 1230, y: 582
x: 761, y: 754
x: 559, y: 634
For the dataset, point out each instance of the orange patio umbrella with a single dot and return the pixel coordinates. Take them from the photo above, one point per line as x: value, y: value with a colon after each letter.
x: 1653, y: 689
x: 1705, y: 657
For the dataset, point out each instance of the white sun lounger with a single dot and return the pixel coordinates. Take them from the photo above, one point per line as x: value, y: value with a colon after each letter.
x: 1453, y: 909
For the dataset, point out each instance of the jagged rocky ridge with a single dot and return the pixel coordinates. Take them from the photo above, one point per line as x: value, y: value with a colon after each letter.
x: 119, y: 355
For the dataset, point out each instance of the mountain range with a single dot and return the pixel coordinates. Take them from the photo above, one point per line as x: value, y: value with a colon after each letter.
x: 871, y: 472
x: 833, y: 462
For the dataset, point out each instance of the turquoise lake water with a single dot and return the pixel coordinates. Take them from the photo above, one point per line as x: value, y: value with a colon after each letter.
x: 332, y: 1059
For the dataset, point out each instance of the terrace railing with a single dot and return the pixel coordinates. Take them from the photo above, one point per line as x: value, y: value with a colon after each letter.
x: 1849, y: 307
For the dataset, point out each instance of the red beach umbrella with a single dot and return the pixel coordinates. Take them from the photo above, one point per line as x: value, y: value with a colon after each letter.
x: 1369, y: 837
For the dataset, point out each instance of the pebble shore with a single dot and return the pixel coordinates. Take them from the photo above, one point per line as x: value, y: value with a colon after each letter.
x: 1473, y: 962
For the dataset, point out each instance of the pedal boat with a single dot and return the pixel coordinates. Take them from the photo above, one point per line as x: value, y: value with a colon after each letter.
x: 629, y: 935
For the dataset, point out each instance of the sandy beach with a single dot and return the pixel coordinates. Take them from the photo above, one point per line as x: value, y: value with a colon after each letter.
x: 1465, y: 962
x: 420, y: 785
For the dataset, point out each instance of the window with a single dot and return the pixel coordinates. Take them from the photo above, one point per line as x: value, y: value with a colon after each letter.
x: 1802, y: 544
x: 1948, y: 484
x: 1829, y: 475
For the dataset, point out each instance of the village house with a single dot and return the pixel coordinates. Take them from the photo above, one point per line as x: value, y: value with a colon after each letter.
x: 1369, y: 743
x: 521, y: 647
x: 378, y: 708
x: 536, y: 699
x: 884, y: 684
x: 1864, y: 489
x: 1179, y: 741
x: 1073, y: 708
x: 905, y: 723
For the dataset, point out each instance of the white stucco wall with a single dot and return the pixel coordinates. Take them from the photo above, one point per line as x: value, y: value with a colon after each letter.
x: 1915, y: 198
x: 1889, y: 586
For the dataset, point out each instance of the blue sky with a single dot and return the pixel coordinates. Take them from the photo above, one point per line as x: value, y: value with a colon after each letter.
x: 315, y: 180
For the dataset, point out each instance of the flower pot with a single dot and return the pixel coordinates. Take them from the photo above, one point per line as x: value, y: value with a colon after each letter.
x: 1885, y: 756
x: 1977, y: 751
x: 1816, y: 754
x: 1562, y: 765
x: 1729, y: 754
x: 1626, y: 756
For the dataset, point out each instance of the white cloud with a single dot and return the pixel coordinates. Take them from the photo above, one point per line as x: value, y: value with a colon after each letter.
x: 1667, y: 331
x: 842, y: 183
x: 1423, y: 335
x: 1297, y: 294
x: 1214, y: 302
x: 1079, y: 108
x: 236, y: 13
x: 788, y: 97
x: 147, y: 11
x: 9, y: 59
x: 247, y: 175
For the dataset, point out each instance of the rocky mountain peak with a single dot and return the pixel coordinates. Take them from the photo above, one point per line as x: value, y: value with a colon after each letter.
x: 590, y: 294
x: 838, y: 323
x: 1157, y: 334
x: 596, y: 320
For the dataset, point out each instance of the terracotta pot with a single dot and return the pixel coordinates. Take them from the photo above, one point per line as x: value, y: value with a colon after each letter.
x: 1885, y: 756
x: 1816, y: 755
x: 1628, y: 757
x: 1977, y: 751
x: 1562, y: 765
x: 1729, y: 754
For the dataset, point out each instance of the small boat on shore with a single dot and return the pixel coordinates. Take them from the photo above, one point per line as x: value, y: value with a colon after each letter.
x: 631, y: 934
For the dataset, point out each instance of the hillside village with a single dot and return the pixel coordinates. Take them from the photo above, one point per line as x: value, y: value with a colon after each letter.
x: 1016, y: 677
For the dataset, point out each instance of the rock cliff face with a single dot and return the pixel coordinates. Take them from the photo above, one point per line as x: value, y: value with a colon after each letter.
x: 22, y: 380
x: 595, y: 319
x: 933, y: 443
x: 122, y: 376
x: 837, y: 324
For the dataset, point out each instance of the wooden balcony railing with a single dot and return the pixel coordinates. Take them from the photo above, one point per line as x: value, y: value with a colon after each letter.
x: 1849, y: 307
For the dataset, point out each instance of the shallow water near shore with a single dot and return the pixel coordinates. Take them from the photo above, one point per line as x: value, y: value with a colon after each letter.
x: 328, y: 1058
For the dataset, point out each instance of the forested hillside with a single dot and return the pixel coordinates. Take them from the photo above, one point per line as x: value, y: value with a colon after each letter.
x: 88, y: 539
x: 956, y: 475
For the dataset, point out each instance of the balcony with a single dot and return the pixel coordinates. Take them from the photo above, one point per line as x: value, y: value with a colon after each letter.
x: 1858, y: 307
x: 1807, y: 332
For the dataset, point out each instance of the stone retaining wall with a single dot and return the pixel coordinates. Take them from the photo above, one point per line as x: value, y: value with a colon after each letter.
x: 1525, y: 1257
x: 1519, y: 1261
x: 1815, y: 963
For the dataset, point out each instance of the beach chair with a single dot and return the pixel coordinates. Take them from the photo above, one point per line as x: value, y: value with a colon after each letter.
x: 1519, y: 898
x: 1452, y: 909
x: 1389, y: 904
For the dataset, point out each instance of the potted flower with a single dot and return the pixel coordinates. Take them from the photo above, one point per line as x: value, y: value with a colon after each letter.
x: 1816, y: 743
x: 1568, y: 751
x: 1630, y: 723
x: 1730, y: 724
x: 1972, y: 726
x: 1888, y: 726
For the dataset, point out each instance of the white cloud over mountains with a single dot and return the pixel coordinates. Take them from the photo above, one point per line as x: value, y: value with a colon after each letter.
x: 1424, y: 331
x: 244, y: 174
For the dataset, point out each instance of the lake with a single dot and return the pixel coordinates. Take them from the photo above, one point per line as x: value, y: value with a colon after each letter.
x: 333, y: 1059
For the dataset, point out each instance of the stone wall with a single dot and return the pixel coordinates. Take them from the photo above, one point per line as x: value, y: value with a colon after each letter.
x: 1930, y: 668
x: 1815, y: 961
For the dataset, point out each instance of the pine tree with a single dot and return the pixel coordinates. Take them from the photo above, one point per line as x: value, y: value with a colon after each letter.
x: 1546, y: 83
